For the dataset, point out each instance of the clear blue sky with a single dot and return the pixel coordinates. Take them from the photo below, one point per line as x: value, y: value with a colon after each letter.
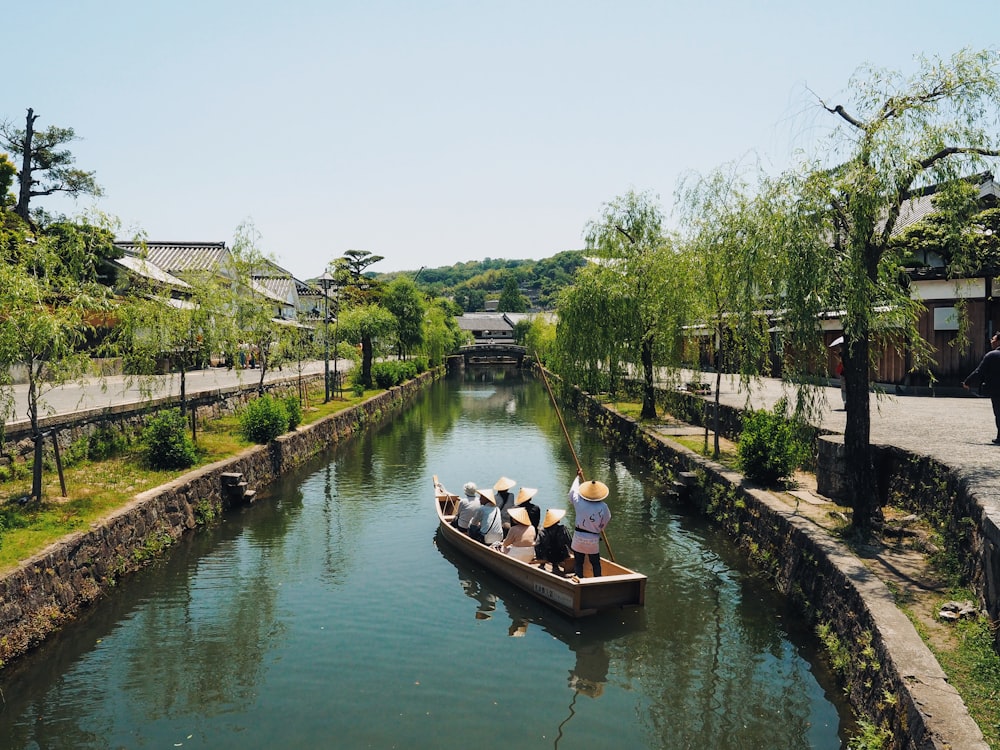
x: 443, y: 131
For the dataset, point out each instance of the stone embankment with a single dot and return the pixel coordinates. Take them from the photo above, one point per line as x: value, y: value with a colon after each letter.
x: 47, y: 590
x: 891, y: 677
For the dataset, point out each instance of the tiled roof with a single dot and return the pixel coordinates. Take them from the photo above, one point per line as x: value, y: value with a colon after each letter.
x: 483, y: 322
x: 144, y: 268
x: 922, y: 205
x: 178, y: 257
x: 262, y: 289
x: 280, y: 288
x: 912, y: 211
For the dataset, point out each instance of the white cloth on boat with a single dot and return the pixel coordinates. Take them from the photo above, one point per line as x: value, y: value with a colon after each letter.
x: 527, y: 554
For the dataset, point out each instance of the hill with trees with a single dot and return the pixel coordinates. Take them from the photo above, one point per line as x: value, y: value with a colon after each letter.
x: 470, y: 284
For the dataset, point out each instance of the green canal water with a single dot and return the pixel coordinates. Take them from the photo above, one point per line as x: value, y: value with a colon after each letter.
x: 330, y: 614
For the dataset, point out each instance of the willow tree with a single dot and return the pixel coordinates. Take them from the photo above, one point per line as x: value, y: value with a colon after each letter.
x: 256, y: 308
x: 441, y: 334
x: 48, y: 320
x: 595, y: 322
x: 899, y: 135
x: 185, y: 328
x: 728, y: 234
x: 642, y: 281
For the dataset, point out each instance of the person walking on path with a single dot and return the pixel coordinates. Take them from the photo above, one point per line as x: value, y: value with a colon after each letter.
x: 987, y: 375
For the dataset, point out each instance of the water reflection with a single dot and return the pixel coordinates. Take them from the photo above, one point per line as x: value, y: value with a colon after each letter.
x: 587, y: 639
x: 303, y: 617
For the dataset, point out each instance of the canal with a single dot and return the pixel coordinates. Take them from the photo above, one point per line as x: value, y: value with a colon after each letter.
x: 329, y: 614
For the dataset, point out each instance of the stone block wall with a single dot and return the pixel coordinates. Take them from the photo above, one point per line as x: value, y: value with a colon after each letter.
x: 890, y: 676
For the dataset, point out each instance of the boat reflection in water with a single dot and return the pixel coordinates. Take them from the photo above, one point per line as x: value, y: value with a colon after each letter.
x: 591, y: 641
x: 588, y: 639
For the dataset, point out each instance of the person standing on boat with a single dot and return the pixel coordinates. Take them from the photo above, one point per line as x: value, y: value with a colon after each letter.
x: 592, y: 517
x: 468, y: 507
x: 520, y: 540
x: 486, y: 526
x: 504, y: 500
x: 523, y: 500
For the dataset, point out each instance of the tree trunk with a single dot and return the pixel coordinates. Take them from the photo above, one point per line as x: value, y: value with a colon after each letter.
x: 262, y: 366
x: 36, y: 468
x: 857, y: 439
x: 36, y: 433
x: 366, y: 361
x: 716, y: 450
x: 648, y: 390
x: 24, y: 195
x: 183, y: 391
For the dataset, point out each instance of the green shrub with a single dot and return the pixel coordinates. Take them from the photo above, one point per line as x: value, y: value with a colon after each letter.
x: 421, y: 363
x: 393, y: 372
x: 769, y: 447
x: 385, y: 374
x: 294, y: 409
x: 263, y: 419
x: 407, y: 370
x: 74, y: 453
x: 106, y: 442
x: 165, y: 443
x: 13, y: 471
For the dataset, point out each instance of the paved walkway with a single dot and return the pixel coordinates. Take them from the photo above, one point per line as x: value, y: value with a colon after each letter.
x: 117, y: 390
x: 955, y: 430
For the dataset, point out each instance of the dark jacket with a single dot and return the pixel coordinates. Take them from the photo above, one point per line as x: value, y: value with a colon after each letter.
x: 553, y: 544
x: 987, y: 375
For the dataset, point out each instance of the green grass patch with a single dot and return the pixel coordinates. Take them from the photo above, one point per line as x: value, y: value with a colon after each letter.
x: 973, y: 668
x: 97, y: 488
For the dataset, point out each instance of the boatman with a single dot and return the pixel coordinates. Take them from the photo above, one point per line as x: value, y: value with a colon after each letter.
x: 592, y: 517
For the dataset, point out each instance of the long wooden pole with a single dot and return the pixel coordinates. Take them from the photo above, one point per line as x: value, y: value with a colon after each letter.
x: 569, y: 442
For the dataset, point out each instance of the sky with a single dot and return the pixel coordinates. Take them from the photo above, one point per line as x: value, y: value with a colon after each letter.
x: 441, y: 131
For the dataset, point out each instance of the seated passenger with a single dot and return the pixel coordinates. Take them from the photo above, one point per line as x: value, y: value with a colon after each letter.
x: 520, y: 540
x: 553, y: 541
x: 523, y: 500
x: 486, y: 526
x: 468, y: 506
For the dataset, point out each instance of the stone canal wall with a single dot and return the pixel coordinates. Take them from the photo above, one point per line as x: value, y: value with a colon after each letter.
x: 890, y: 676
x: 918, y: 484
x: 50, y: 588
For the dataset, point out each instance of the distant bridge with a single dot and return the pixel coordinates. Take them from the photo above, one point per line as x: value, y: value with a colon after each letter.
x: 493, y: 353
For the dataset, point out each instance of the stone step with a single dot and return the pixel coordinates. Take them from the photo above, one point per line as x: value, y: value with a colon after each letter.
x: 231, y: 478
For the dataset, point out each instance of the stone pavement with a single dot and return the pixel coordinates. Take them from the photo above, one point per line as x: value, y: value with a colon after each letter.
x: 955, y: 430
x: 117, y: 390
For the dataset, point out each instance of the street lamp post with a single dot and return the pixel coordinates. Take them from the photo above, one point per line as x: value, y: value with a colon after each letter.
x: 336, y: 340
x: 326, y: 281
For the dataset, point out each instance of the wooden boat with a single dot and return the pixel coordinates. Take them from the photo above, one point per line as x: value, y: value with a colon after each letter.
x: 616, y: 587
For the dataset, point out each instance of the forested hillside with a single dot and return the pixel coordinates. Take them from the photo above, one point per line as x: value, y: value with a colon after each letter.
x: 472, y: 283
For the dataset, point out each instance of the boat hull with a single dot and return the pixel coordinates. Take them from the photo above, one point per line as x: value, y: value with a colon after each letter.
x: 618, y: 587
